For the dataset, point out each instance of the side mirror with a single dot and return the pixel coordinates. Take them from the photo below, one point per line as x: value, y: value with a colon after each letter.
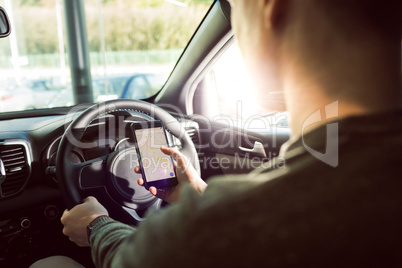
x: 5, y: 28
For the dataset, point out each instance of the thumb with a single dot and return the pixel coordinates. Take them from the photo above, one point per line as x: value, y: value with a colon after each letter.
x: 176, y: 154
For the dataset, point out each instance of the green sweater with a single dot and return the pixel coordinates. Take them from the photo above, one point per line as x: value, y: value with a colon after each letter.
x: 305, y: 214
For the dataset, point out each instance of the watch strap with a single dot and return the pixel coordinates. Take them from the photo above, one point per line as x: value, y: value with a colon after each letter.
x: 90, y: 226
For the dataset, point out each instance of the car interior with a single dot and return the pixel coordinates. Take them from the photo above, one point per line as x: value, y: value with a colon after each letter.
x: 52, y: 158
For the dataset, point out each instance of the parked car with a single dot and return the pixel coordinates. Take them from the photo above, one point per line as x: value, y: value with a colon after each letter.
x: 42, y: 91
x: 124, y: 86
x: 27, y: 95
x: 14, y: 98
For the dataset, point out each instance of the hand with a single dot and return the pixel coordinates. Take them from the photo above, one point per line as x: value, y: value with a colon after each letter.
x: 75, y: 221
x: 185, y: 174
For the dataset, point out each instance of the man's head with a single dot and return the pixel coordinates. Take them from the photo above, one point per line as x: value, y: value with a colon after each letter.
x: 293, y: 44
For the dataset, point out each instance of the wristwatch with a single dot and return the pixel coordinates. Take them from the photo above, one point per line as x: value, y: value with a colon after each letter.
x: 90, y: 226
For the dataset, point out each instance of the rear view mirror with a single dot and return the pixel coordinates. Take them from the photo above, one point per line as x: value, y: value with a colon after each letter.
x: 5, y: 28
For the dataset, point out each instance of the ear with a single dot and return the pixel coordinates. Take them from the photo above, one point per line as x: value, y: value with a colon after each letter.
x: 275, y: 12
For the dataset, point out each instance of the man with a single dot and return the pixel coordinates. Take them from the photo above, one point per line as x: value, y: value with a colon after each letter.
x: 332, y: 205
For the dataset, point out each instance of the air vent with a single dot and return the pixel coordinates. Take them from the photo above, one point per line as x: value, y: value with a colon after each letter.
x: 194, y: 135
x: 15, y: 157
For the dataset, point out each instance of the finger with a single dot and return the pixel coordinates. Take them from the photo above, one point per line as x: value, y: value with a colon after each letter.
x: 140, y: 182
x: 153, y: 190
x: 160, y: 193
x: 176, y: 154
x: 86, y: 199
x: 137, y: 170
x: 63, y: 217
x: 89, y: 199
x: 169, y: 151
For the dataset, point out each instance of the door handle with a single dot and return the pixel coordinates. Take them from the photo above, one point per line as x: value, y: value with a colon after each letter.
x: 258, y: 149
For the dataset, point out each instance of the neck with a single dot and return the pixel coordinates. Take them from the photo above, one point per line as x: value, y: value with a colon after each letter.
x: 342, y: 84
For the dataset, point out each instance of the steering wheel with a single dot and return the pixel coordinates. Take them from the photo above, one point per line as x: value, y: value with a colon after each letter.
x: 111, y: 178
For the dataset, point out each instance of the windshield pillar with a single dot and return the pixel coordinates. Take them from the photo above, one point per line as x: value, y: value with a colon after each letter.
x: 78, y: 48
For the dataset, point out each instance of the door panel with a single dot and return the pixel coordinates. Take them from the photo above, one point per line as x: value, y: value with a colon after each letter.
x: 229, y: 150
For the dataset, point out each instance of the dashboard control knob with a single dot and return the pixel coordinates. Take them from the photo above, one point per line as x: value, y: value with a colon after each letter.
x: 25, y: 223
x: 51, y: 212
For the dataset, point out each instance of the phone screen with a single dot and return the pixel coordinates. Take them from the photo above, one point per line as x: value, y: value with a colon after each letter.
x: 156, y: 165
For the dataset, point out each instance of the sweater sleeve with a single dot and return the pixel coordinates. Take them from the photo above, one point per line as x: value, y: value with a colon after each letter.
x: 173, y: 236
x: 114, y: 244
x: 106, y: 239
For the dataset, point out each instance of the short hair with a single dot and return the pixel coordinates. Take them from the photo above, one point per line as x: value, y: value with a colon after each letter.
x: 383, y: 17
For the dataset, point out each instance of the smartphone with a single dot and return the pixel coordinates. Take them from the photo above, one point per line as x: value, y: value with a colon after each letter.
x: 157, y: 169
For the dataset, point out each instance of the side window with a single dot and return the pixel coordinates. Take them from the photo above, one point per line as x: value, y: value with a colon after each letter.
x: 236, y: 94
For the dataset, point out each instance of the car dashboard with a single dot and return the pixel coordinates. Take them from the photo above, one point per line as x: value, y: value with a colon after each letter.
x: 31, y: 203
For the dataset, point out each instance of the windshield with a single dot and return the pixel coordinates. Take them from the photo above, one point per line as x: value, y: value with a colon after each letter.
x: 133, y: 47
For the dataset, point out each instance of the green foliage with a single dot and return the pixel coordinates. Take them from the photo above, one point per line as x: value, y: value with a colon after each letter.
x: 128, y: 25
x: 30, y: 2
x: 39, y: 35
x: 165, y: 27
